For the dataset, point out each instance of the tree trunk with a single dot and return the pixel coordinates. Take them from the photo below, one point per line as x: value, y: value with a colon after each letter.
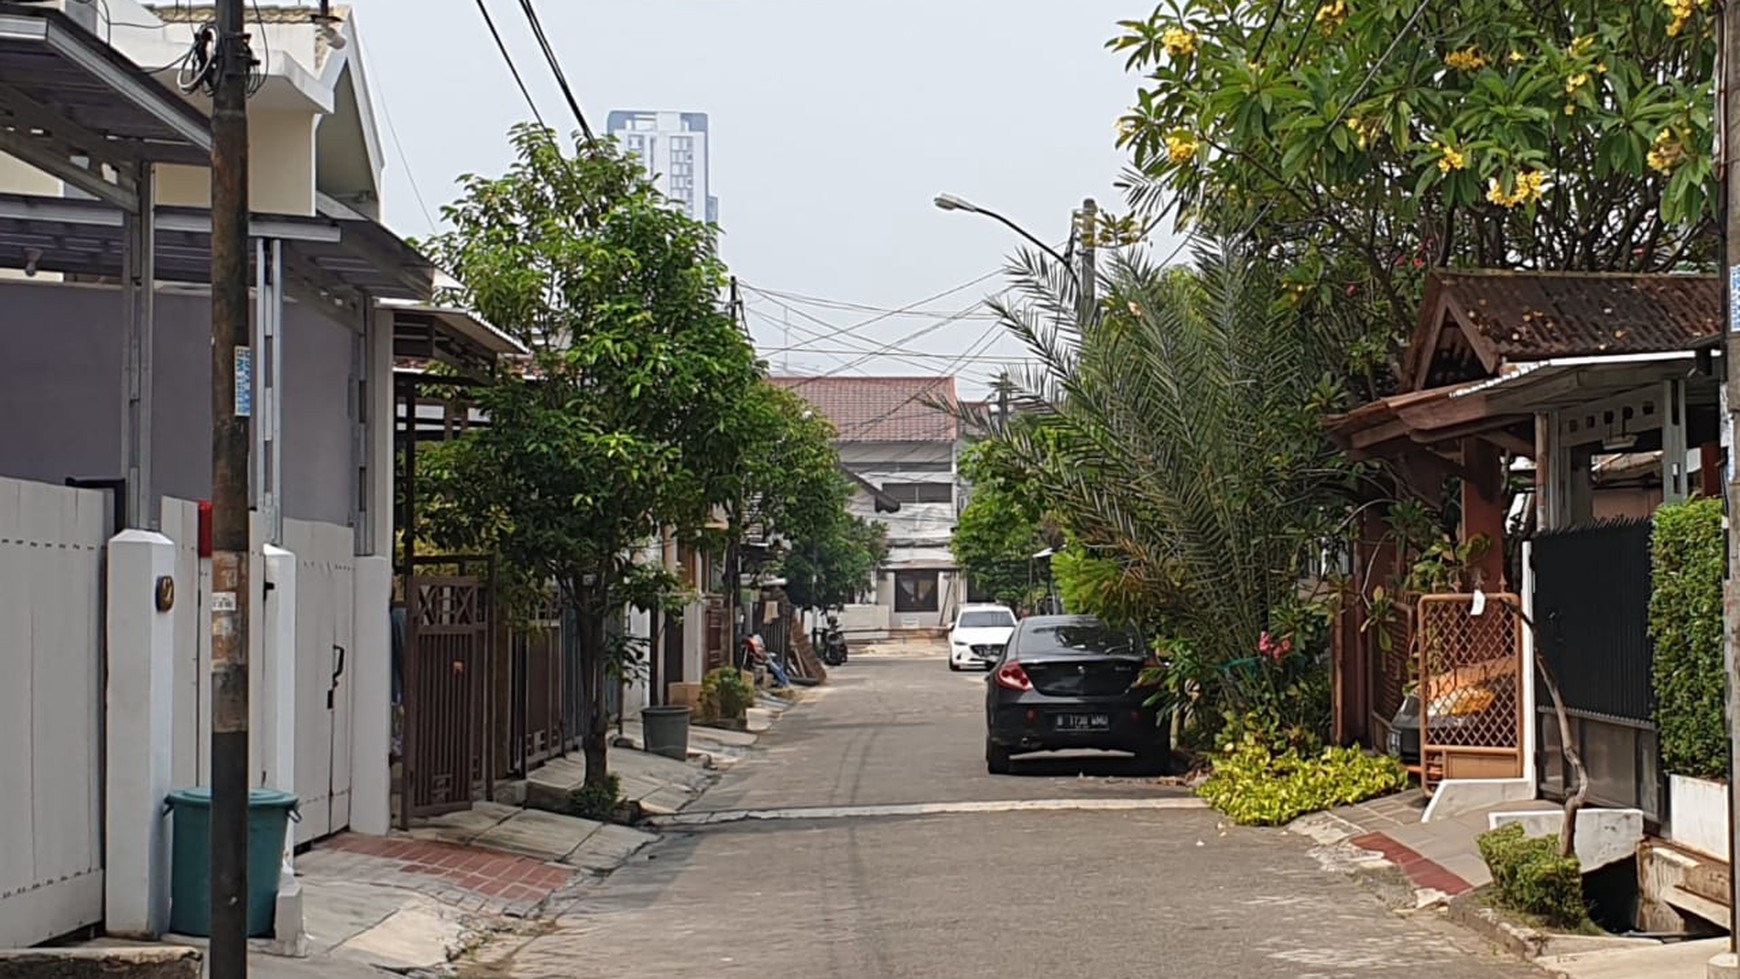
x: 595, y: 720
x: 1574, y: 801
x: 1567, y: 744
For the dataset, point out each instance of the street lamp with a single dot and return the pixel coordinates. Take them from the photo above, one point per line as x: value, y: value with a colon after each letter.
x: 1086, y: 222
x: 949, y: 202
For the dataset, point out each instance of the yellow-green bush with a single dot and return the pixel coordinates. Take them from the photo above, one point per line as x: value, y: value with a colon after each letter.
x: 1256, y: 786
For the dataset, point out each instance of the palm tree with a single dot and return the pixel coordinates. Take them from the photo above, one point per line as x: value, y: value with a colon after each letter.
x: 1178, y: 436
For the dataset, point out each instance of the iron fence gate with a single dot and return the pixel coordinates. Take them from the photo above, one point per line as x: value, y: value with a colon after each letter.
x: 535, y: 728
x: 1591, y: 610
x: 446, y: 669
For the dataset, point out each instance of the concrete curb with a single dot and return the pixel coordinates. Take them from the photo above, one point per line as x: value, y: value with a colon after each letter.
x: 157, y: 962
x: 1519, y: 940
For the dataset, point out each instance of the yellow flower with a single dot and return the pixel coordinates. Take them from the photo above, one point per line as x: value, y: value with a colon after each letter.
x: 1467, y: 59
x: 1450, y: 158
x: 1570, y: 108
x: 1331, y: 15
x: 1581, y: 45
x: 1666, y: 153
x: 1576, y: 82
x: 1179, y: 43
x: 1682, y: 11
x: 1517, y: 57
x: 1529, y: 187
x: 1181, y: 147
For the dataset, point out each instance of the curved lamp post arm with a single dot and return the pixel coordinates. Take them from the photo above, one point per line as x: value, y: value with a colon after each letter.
x: 949, y: 202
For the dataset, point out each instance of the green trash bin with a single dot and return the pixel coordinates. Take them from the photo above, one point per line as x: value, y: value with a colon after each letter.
x: 269, y: 813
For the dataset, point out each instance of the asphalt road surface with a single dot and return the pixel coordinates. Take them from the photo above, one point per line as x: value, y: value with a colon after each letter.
x: 1063, y: 869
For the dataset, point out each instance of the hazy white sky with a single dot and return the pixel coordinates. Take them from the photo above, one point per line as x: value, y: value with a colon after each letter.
x: 834, y: 124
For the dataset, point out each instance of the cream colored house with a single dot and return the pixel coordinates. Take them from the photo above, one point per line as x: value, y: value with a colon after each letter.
x: 311, y: 126
x: 106, y: 384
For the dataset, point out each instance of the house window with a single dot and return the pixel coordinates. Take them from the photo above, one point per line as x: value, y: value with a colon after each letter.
x: 915, y: 591
x: 920, y: 492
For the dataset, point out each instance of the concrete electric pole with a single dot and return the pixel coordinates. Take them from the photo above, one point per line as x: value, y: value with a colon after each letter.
x: 231, y: 408
x: 1088, y: 231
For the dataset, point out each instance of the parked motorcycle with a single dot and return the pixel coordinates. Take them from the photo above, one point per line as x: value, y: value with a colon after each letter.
x: 833, y: 642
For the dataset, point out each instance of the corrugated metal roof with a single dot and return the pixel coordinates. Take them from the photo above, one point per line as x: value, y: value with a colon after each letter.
x: 1535, y: 315
x: 882, y: 409
x: 265, y: 12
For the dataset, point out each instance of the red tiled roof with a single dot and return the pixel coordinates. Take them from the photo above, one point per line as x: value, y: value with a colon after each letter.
x: 881, y: 409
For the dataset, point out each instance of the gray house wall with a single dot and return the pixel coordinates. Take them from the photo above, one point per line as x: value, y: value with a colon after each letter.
x: 60, y: 395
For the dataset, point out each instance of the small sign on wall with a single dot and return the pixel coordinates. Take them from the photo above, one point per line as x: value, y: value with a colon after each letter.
x: 1734, y: 297
x: 244, y: 382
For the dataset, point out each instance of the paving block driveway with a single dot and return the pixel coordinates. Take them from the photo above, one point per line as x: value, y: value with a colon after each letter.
x: 1163, y: 889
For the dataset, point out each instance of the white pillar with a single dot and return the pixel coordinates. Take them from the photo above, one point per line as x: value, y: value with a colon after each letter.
x: 278, y: 738
x: 378, y: 434
x: 1530, y: 716
x: 140, y: 733
x: 372, y: 704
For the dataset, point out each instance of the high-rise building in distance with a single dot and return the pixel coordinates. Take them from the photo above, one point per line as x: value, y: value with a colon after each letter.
x: 673, y: 146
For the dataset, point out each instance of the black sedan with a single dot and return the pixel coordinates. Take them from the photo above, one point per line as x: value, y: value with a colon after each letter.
x: 1067, y: 682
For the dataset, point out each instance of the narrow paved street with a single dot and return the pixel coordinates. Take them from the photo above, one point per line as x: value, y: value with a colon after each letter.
x: 1111, y: 892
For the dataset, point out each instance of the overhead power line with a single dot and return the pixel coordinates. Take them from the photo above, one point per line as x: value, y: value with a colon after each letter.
x: 917, y: 359
x: 841, y: 304
x: 853, y: 327
x: 883, y: 350
x: 556, y: 68
x: 980, y: 344
x: 501, y: 46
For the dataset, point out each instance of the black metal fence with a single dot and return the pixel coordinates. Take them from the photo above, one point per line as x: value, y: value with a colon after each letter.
x: 1591, y: 614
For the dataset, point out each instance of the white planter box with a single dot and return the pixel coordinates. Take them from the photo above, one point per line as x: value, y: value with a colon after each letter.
x: 1698, y: 815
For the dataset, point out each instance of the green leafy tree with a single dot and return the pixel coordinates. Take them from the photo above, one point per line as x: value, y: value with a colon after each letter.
x: 1363, y: 143
x: 620, y: 425
x: 999, y: 530
x: 834, y: 565
x: 786, y: 485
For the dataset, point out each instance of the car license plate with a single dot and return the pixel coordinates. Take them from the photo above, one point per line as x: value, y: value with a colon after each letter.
x: 1082, y: 722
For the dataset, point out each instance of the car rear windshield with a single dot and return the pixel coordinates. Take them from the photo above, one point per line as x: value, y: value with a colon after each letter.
x: 986, y: 620
x: 1093, y: 639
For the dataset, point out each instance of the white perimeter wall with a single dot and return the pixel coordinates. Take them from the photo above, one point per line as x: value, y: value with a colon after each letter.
x: 51, y: 709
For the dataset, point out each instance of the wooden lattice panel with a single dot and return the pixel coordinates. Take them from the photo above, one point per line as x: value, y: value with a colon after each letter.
x: 1471, y: 686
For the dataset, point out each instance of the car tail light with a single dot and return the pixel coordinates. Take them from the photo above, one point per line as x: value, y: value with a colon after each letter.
x: 1012, y: 676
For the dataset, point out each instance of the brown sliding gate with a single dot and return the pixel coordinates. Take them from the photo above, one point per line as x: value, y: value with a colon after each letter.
x: 447, y: 661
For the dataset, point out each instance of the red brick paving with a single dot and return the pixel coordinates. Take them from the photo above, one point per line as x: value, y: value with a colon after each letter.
x: 1420, y: 870
x: 484, y: 878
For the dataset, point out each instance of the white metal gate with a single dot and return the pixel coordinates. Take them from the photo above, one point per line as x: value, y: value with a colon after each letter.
x: 325, y: 631
x: 325, y: 634
x: 192, y: 624
x: 52, y: 543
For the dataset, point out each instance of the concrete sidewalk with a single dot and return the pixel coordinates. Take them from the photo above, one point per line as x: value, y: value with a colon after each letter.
x: 1442, y: 864
x: 1680, y: 960
x: 412, y: 903
x: 1439, y: 856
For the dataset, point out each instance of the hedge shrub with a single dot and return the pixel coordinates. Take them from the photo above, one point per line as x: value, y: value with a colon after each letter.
x: 1258, y: 786
x: 1528, y: 875
x: 1685, y: 623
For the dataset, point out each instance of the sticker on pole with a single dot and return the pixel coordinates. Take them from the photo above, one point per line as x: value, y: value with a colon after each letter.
x: 1479, y: 604
x: 223, y: 601
x: 244, y: 382
x: 1734, y: 297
